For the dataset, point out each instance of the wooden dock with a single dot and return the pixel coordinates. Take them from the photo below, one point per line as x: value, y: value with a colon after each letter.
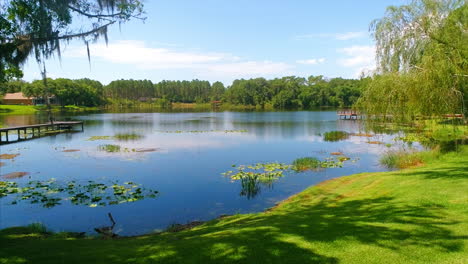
x: 35, y: 130
x: 348, y: 114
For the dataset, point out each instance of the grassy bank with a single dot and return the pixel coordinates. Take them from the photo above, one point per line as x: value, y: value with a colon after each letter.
x: 32, y: 109
x: 418, y: 215
x: 18, y: 109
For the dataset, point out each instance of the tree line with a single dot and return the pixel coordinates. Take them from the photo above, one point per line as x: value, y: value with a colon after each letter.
x: 281, y: 93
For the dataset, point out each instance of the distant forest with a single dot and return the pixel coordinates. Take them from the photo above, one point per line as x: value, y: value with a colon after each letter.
x: 281, y: 93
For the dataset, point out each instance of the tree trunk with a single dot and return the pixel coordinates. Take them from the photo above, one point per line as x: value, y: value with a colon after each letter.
x: 47, y: 96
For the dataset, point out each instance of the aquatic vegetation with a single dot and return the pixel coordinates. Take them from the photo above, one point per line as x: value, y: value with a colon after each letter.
x: 109, y: 148
x: 252, y: 177
x: 263, y: 171
x: 116, y: 148
x: 343, y: 158
x: 2, y: 164
x: 306, y: 163
x: 128, y: 136
x: 8, y: 156
x: 202, y: 131
x: 333, y: 136
x: 93, y: 194
x: 362, y: 135
x: 121, y: 137
x: 337, y: 153
x: 15, y: 175
x: 331, y: 163
x: 311, y: 163
x: 94, y: 138
x: 251, y: 186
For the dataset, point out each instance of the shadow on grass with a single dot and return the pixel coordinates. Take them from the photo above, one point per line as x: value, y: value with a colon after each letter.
x: 292, y: 233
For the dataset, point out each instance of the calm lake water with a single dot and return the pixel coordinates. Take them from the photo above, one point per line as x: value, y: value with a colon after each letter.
x: 186, y: 168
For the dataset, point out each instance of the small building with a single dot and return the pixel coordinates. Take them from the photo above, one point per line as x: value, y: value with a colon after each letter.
x: 17, y: 99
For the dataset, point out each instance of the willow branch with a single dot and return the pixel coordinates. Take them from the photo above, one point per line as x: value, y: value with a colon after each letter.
x: 70, y: 36
x: 93, y: 15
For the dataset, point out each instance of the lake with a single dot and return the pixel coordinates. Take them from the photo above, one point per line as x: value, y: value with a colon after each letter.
x: 182, y: 156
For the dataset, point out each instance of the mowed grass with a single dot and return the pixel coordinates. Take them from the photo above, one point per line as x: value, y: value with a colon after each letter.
x: 31, y: 109
x: 18, y: 109
x: 417, y: 215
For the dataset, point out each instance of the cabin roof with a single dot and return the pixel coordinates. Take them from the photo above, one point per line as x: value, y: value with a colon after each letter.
x: 15, y: 96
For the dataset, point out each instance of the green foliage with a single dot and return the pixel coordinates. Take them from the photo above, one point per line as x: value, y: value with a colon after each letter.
x: 52, y: 193
x: 38, y: 27
x: 333, y: 136
x: 423, y: 62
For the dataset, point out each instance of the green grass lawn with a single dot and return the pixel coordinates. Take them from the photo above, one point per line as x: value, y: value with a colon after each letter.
x: 416, y: 215
x: 31, y: 109
x: 18, y: 109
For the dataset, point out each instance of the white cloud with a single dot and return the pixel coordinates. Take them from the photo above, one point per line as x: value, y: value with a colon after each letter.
x: 337, y: 36
x: 311, y: 61
x: 350, y: 35
x: 138, y: 54
x: 361, y: 58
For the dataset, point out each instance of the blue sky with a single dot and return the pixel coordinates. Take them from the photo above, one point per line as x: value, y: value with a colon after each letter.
x: 226, y: 40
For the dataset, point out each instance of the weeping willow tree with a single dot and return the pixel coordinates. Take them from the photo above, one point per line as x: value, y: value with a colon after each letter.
x: 39, y: 27
x: 422, y: 61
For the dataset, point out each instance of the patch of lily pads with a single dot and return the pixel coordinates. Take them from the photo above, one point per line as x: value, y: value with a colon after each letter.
x: 110, y: 148
x: 252, y: 177
x: 119, y: 137
x: 202, y: 131
x: 93, y: 194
